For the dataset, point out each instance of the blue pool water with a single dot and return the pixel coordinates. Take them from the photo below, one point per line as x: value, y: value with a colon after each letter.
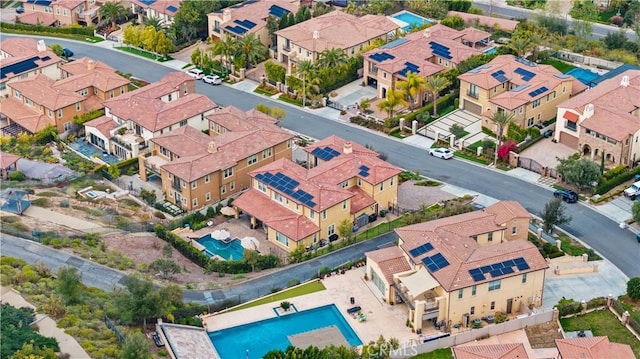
x: 411, y: 19
x: 491, y: 51
x: 229, y: 251
x: 582, y: 75
x: 266, y: 335
x: 90, y: 150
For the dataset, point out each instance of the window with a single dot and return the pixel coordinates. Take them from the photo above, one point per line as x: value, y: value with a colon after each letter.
x: 194, y: 184
x: 195, y: 202
x: 277, y: 197
x: 83, y: 92
x: 78, y: 106
x: 564, y: 89
x: 344, y: 205
x: 494, y: 285
x: 530, y: 122
x: 344, y: 184
x: 50, y: 113
x: 472, y: 310
x: 111, y: 94
x: 183, y: 123
x: 359, y: 181
x: 67, y: 126
x: 312, y: 214
x: 536, y: 103
x: 473, y: 290
x: 391, y: 182
x: 521, y: 109
x: 59, y: 113
x: 223, y: 189
x: 524, y: 278
x: 381, y: 186
x: 252, y: 159
x: 440, y: 60
x: 28, y: 102
x: 121, y: 90
x: 331, y: 229
x: 473, y: 91
x: 207, y: 178
x: 3, y: 86
x: 266, y: 153
x: 262, y: 187
x: 324, y: 214
x: 207, y: 196
x: 554, y: 94
x: 490, y: 237
x: 514, y: 230
x: 282, y: 239
x: 493, y: 305
x: 288, y: 143
x: 460, y: 292
x: 228, y: 172
x: 17, y: 94
x: 232, y: 185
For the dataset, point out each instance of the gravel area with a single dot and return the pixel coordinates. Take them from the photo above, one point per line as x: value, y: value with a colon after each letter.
x: 411, y: 197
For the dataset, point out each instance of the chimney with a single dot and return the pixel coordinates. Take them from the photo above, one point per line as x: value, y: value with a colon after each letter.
x: 588, y: 111
x: 91, y: 65
x: 348, y: 148
x: 427, y: 33
x: 625, y: 81
x: 212, y: 147
x: 226, y: 15
x: 41, y: 46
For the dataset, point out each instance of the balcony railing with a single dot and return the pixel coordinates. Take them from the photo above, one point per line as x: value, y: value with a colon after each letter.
x: 286, y: 47
x: 121, y: 143
x: 472, y: 94
x: 176, y: 186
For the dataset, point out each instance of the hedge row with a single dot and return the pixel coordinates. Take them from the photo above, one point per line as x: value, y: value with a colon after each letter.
x: 444, y: 101
x: 78, y: 30
x: 614, y: 172
x: 606, y: 186
x: 262, y: 262
x: 185, y: 248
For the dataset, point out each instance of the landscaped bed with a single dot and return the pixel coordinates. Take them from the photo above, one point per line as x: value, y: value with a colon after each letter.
x: 307, y: 288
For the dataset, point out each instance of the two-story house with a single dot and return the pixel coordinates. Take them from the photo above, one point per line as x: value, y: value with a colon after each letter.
x: 456, y: 269
x: 163, y: 10
x: 23, y: 57
x: 304, y: 207
x: 604, y: 121
x: 198, y: 170
x: 249, y: 18
x: 529, y: 91
x: 60, y: 12
x: 427, y: 53
x: 334, y: 30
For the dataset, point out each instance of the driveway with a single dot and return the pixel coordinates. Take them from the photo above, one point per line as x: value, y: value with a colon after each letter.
x: 45, y: 172
x: 547, y: 152
x: 352, y: 93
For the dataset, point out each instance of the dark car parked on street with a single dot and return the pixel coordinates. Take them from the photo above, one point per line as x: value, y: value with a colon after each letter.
x: 566, y: 195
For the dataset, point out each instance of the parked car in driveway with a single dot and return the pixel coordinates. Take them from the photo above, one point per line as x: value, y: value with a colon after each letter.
x: 196, y: 74
x: 566, y: 195
x: 67, y: 53
x: 19, y: 10
x: 212, y: 79
x: 441, y: 152
x: 548, y: 133
x: 633, y: 191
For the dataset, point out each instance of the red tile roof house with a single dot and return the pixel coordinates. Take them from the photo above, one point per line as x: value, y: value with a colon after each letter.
x: 39, y: 101
x: 301, y: 207
x: 493, y: 23
x: 60, y: 12
x: 8, y: 161
x: 491, y: 351
x: 23, y: 57
x: 249, y: 18
x: 164, y: 10
x: 428, y: 52
x: 198, y: 170
x: 134, y: 118
x: 464, y: 267
x: 604, y: 121
x: 592, y: 348
x: 337, y: 29
x: 529, y: 91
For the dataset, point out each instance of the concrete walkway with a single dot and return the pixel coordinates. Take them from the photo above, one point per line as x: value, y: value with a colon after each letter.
x: 46, y: 325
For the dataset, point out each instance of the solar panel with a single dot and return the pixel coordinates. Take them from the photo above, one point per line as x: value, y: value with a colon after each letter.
x: 19, y: 67
x: 236, y: 29
x: 478, y: 277
x: 147, y: 2
x: 538, y: 91
x: 496, y: 273
x: 363, y: 174
x: 508, y: 263
x: 507, y: 270
x: 486, y: 269
x: 364, y: 168
x: 259, y: 176
x: 394, y: 43
x: 522, y: 266
x: 245, y: 23
x: 421, y: 249
x: 277, y: 11
x: 311, y: 204
x: 172, y: 8
x: 526, y: 75
x: 46, y: 58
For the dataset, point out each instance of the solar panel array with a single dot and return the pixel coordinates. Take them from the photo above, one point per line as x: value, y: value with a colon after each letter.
x: 538, y: 91
x: 148, y: 2
x: 238, y: 30
x: 440, y: 50
x: 381, y: 56
x: 498, y: 269
x: 409, y: 67
x: 286, y: 185
x: 394, y: 43
x: 435, y: 262
x: 477, y: 69
x: 172, y: 8
x: 364, y: 171
x: 40, y: 2
x: 420, y: 250
x: 20, y: 67
x: 499, y: 75
x: 325, y: 154
x: 526, y: 75
x: 525, y: 61
x: 277, y: 11
x: 245, y: 23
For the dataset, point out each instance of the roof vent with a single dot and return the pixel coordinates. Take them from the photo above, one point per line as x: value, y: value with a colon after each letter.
x: 588, y: 111
x: 91, y: 65
x: 212, y: 147
x: 41, y: 46
x: 347, y: 148
x: 625, y: 81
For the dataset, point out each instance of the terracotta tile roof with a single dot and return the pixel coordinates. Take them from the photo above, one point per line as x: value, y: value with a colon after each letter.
x: 507, y: 210
x: 256, y: 12
x: 391, y: 260
x: 593, y: 348
x: 69, y: 4
x: 38, y: 18
x: 346, y: 166
x: 87, y: 72
x: 184, y: 141
x: 92, y: 102
x: 473, y: 35
x: 276, y: 216
x: 177, y: 78
x: 469, y: 19
x: 452, y: 237
x: 570, y: 116
x: 234, y: 119
x: 45, y: 91
x: 25, y: 116
x: 360, y: 199
x: 338, y: 143
x: 21, y: 47
x: 163, y: 7
x: 24, y: 49
x: 103, y: 124
x: 612, y: 124
x: 544, y: 75
x: 491, y: 351
x: 8, y: 159
x: 339, y: 30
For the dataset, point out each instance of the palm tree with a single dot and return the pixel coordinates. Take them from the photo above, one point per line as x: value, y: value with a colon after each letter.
x: 112, y: 10
x: 435, y: 84
x: 225, y: 48
x: 351, y: 8
x: 332, y: 58
x: 502, y: 119
x: 519, y: 45
x: 394, y: 98
x: 252, y: 48
x: 305, y: 70
x: 537, y: 38
x: 412, y: 87
x: 156, y: 22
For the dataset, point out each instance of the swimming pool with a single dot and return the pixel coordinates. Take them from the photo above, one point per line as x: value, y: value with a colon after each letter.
x: 229, y: 251
x: 266, y: 335
x: 584, y: 76
x: 491, y: 51
x: 411, y: 20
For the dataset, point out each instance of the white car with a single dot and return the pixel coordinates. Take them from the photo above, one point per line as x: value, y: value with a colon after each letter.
x: 196, y: 73
x: 212, y: 79
x: 441, y: 152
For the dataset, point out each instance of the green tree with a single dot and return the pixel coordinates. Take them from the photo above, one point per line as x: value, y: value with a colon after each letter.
x: 264, y: 109
x: 502, y: 120
x: 393, y: 99
x: 148, y: 37
x: 114, y: 171
x: 272, y: 27
x: 69, y: 285
x: 164, y: 45
x: 436, y: 9
x: 140, y: 300
x: 519, y: 45
x: 582, y: 28
x: 332, y: 58
x: 278, y: 113
x: 454, y: 22
x: 284, y: 22
x: 345, y: 229
x: 635, y: 211
x: 225, y: 48
x: 56, y: 48
x: 112, y: 10
x: 156, y: 22
x: 553, y: 214
x: 252, y: 48
x: 191, y: 18
x: 165, y: 267
x: 351, y: 8
x: 131, y: 35
x: 579, y: 171
x: 412, y: 87
x: 380, y: 7
x: 167, y: 251
x: 381, y: 348
x: 251, y: 257
x: 633, y: 288
x: 32, y: 351
x: 615, y: 40
x: 435, y: 84
x: 320, y: 9
x: 297, y: 254
x: 135, y: 347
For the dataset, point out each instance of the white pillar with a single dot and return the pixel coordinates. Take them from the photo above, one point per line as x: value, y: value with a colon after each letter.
x: 452, y: 140
x: 414, y: 127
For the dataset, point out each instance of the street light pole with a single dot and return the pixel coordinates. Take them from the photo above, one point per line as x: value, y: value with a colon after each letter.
x: 304, y: 91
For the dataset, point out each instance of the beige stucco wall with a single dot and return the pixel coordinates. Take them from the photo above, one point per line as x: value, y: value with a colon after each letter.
x: 52, y: 71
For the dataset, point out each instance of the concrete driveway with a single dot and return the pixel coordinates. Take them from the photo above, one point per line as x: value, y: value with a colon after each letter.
x: 547, y: 152
x: 352, y: 93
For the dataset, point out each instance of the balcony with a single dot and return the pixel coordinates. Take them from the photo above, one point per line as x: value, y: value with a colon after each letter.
x: 286, y: 48
x: 176, y: 186
x: 472, y: 94
x: 117, y: 140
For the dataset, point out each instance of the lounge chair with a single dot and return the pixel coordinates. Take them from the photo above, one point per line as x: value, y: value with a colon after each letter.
x: 353, y: 310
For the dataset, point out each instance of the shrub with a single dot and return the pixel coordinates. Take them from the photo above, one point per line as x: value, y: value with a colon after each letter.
x: 568, y: 307
x: 606, y: 186
x: 64, y: 203
x: 41, y: 202
x: 614, y: 172
x: 275, y: 72
x: 17, y: 176
x: 505, y: 148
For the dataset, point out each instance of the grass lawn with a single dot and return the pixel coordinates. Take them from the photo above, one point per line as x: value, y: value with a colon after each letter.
x: 443, y: 353
x: 143, y: 53
x: 78, y: 37
x: 574, y: 248
x: 310, y: 287
x: 383, y: 227
x: 292, y: 101
x: 559, y: 65
x: 602, y: 323
x: 471, y: 158
x: 260, y: 91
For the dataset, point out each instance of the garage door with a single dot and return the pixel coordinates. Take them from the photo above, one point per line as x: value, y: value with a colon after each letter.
x: 568, y: 140
x: 472, y: 107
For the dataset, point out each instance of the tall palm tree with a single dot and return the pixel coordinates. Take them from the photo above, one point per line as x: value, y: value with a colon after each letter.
x: 156, y: 22
x: 537, y: 38
x: 394, y: 99
x: 226, y: 48
x: 332, y: 58
x: 252, y: 48
x: 519, y: 45
x: 112, y: 10
x: 305, y: 70
x: 412, y: 87
x: 435, y: 84
x: 502, y: 120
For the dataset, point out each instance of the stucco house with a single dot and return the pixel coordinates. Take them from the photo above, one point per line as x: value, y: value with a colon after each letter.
x: 163, y: 10
x: 452, y: 270
x: 493, y: 23
x: 300, y: 207
x: 60, y: 12
x: 528, y: 90
x: 249, y: 17
x: 134, y: 118
x: 198, y: 170
x: 427, y: 52
x: 604, y: 121
x: 592, y: 348
x: 337, y: 29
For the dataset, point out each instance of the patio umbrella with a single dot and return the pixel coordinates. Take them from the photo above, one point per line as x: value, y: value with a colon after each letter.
x: 250, y: 243
x: 228, y: 211
x: 220, y: 234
